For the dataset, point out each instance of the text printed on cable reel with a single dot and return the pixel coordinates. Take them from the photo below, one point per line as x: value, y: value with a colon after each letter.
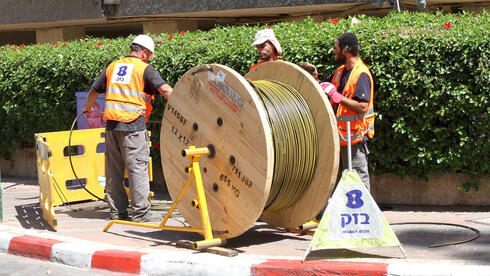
x: 224, y: 92
x: 225, y: 179
x: 242, y: 177
x: 177, y: 114
x: 180, y: 136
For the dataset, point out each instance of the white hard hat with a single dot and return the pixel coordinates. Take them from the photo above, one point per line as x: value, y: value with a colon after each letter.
x: 145, y: 41
x: 267, y: 34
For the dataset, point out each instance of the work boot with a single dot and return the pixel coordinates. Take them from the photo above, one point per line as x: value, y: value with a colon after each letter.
x: 150, y: 216
x: 118, y: 216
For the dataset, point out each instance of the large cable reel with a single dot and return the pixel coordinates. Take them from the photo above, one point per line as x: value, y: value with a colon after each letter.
x: 212, y: 105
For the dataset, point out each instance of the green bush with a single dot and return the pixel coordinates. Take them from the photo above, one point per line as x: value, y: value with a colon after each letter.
x: 431, y: 72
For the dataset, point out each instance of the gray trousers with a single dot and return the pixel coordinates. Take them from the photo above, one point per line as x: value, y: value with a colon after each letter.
x: 359, y: 159
x: 359, y: 162
x: 131, y: 151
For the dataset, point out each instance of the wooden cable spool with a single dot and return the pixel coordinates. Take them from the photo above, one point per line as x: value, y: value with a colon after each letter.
x: 212, y: 105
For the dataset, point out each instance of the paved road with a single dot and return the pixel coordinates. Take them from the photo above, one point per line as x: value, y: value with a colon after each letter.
x: 21, y: 209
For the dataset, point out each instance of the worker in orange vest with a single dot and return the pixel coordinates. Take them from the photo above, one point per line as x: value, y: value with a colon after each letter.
x: 268, y: 47
x: 129, y: 84
x: 351, y: 92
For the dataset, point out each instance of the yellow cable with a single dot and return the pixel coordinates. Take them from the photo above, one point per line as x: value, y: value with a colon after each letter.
x: 295, y: 142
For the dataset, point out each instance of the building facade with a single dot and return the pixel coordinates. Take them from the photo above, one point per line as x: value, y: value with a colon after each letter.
x: 29, y: 22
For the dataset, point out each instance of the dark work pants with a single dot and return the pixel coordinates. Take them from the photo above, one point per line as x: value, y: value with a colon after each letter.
x: 359, y: 162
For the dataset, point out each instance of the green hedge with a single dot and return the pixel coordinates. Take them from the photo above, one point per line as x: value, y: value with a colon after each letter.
x: 432, y: 75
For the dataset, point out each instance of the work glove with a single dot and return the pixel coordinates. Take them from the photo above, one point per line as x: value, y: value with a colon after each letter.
x: 331, y: 91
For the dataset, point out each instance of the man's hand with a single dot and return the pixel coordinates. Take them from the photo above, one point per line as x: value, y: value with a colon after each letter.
x: 91, y: 98
x: 87, y: 109
x: 331, y: 91
x: 165, y: 90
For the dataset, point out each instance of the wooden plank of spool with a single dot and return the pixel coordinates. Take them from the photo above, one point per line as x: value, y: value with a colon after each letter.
x: 323, y: 181
x: 214, y: 105
x: 227, y: 252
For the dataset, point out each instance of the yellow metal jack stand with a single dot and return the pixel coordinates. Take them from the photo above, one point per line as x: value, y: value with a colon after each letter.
x: 309, y: 225
x: 194, y: 154
x: 308, y: 228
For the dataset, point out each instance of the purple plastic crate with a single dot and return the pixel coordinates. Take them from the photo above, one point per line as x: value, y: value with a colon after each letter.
x: 90, y: 120
x: 93, y: 119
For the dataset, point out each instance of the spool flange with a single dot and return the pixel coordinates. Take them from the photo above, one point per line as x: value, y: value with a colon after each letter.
x: 323, y: 181
x: 213, y: 105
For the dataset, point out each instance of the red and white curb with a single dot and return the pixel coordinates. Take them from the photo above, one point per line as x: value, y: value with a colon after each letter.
x: 85, y: 254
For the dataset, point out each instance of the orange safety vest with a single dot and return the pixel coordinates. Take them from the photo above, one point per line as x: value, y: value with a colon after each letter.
x: 259, y: 63
x: 125, y: 99
x: 361, y: 124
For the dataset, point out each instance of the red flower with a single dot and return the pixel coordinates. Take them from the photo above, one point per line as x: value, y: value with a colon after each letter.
x: 54, y: 45
x: 22, y: 45
x: 64, y: 44
x: 170, y: 36
x: 334, y: 21
x: 182, y: 33
x: 270, y: 27
x: 98, y: 44
x: 3, y: 50
x: 156, y: 145
x: 109, y: 41
x: 447, y: 25
x: 15, y: 48
x: 84, y: 40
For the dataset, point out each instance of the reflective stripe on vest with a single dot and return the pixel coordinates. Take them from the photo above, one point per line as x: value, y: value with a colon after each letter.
x: 123, y: 107
x: 129, y: 93
x: 125, y: 96
x: 356, y: 117
x: 352, y: 137
x: 361, y: 124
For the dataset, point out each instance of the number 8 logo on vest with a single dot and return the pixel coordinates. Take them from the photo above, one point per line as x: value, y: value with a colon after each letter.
x: 121, y: 73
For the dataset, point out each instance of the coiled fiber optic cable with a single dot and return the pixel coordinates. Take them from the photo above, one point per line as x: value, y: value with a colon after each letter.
x: 295, y: 142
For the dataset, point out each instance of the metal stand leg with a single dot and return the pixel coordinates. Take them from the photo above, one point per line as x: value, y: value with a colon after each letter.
x: 200, y: 203
x: 349, y: 152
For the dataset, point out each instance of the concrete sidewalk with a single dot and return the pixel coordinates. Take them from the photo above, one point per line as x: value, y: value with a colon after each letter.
x: 263, y: 250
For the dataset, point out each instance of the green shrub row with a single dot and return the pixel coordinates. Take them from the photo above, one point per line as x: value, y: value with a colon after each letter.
x: 432, y: 75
